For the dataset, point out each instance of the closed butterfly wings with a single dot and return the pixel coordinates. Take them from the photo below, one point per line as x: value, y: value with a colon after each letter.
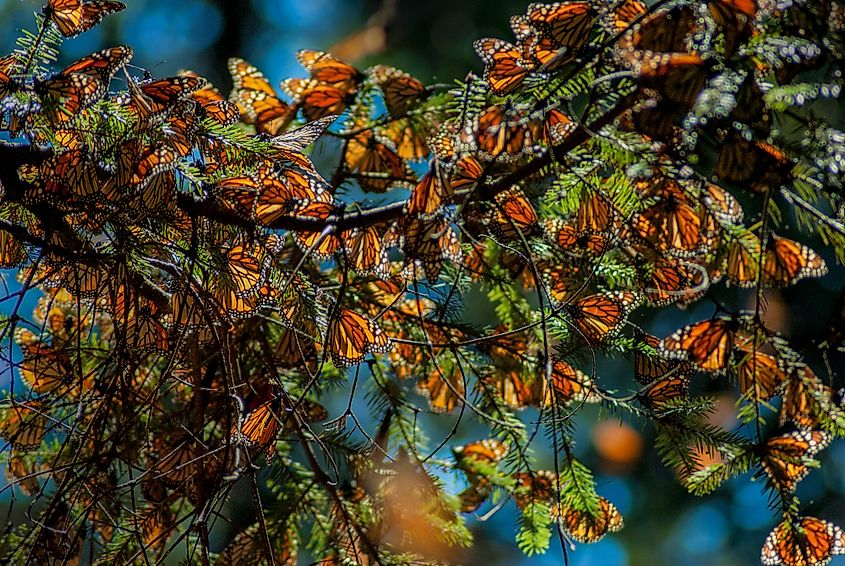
x: 257, y: 100
x: 352, y: 336
x: 784, y: 458
x: 597, y: 317
x: 475, y: 459
x: 804, y: 541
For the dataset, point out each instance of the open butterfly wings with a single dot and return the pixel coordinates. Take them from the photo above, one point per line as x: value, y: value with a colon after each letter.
x: 548, y: 36
x: 73, y: 17
x: 707, y: 345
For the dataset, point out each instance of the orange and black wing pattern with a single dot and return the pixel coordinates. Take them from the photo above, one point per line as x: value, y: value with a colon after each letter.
x: 504, y: 67
x: 597, y: 317
x: 804, y: 541
x: 786, y: 262
x: 588, y: 528
x: 352, y: 336
x: 707, y: 345
x: 256, y: 99
x: 73, y: 17
x: 474, y: 459
x: 784, y: 458
x: 401, y: 91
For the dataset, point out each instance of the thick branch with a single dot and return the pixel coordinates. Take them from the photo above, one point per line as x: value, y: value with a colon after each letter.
x: 11, y: 156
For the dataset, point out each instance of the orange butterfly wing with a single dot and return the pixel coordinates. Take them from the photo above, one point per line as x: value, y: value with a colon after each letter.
x: 504, y: 67
x: 810, y: 542
x: 352, y: 337
x: 706, y: 344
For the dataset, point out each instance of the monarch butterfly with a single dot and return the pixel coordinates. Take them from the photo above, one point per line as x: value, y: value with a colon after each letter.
x: 429, y: 196
x: 722, y: 204
x: 759, y: 374
x: 784, y: 458
x: 504, y: 67
x: 465, y: 173
x: 66, y: 96
x: 586, y: 527
x: 753, y: 164
x: 181, y: 127
x: 625, y: 14
x: 244, y: 268
x: 802, y: 541
x: 65, y: 176
x: 367, y: 254
x: 317, y: 100
x: 743, y: 263
x: 325, y: 68
x: 500, y: 131
x: 24, y: 426
x: 649, y: 365
x: 12, y: 252
x: 557, y: 127
x: 378, y: 166
x: 211, y: 102
x: 288, y: 146
x: 282, y: 192
x: 674, y: 384
x: 568, y: 384
x: 101, y: 66
x: 599, y: 316
x: 432, y: 241
x: 153, y: 161
x: 596, y: 214
x: 351, y: 336
x: 671, y: 224
x: 513, y: 215
x: 787, y: 261
x: 136, y: 324
x: 475, y: 459
x: 538, y: 51
x: 261, y: 426
x: 804, y: 399
x: 256, y: 99
x: 534, y: 487
x: 43, y: 367
x: 73, y: 17
x: 406, y: 136
x: 515, y: 388
x: 566, y: 24
x: 657, y: 43
x: 577, y: 243
x: 443, y: 386
x: 401, y: 91
x: 321, y: 244
x: 22, y: 473
x: 706, y: 344
x: 153, y: 101
x: 230, y: 302
x: 667, y: 281
x: 295, y: 350
x: 7, y: 84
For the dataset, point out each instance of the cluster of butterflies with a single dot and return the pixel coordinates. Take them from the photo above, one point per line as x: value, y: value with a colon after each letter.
x: 167, y: 167
x: 479, y: 460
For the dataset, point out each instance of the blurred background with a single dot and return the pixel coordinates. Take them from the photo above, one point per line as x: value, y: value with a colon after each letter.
x: 433, y: 41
